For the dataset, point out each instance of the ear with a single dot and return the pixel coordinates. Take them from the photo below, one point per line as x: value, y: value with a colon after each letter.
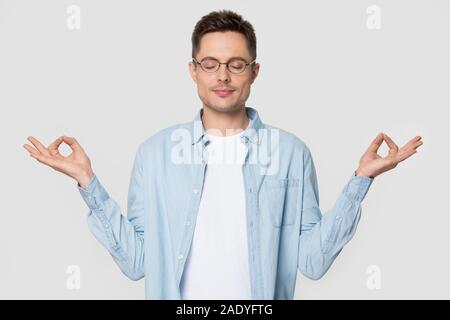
x: 255, y: 71
x: 193, y: 71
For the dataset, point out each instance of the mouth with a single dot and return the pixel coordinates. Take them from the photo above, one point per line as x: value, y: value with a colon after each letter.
x: 223, y: 93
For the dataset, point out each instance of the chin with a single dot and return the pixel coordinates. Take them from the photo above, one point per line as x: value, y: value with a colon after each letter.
x: 224, y: 105
x: 224, y: 108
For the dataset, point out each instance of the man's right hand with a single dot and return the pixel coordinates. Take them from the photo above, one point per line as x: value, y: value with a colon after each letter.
x: 76, y: 165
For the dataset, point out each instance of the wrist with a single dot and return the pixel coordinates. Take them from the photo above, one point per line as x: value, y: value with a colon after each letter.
x: 85, y: 178
x: 360, y: 173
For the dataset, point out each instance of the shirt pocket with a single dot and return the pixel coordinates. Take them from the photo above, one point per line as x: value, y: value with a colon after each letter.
x: 279, y: 200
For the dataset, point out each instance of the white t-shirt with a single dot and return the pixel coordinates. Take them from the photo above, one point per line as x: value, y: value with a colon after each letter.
x: 217, y: 265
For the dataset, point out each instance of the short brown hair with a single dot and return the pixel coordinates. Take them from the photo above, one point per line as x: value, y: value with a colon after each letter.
x: 221, y: 21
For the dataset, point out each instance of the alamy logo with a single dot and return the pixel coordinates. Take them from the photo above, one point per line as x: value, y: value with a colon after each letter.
x: 263, y: 146
x: 374, y: 280
x: 73, y: 21
x: 73, y: 282
x: 374, y: 17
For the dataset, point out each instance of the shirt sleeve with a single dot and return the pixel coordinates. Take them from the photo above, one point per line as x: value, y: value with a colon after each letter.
x: 122, y: 236
x: 322, y: 237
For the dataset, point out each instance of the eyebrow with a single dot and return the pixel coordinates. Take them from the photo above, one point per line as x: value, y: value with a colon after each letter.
x: 232, y: 58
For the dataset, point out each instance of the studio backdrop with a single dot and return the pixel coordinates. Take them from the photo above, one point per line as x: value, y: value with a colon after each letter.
x: 334, y: 73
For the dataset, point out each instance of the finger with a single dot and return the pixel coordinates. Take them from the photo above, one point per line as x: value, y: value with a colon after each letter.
x: 45, y: 160
x: 38, y: 145
x: 72, y: 142
x: 417, y: 144
x: 412, y: 142
x: 53, y: 147
x: 30, y: 149
x: 406, y: 152
x: 412, y: 145
x: 405, y: 155
x: 376, y: 143
x: 393, y: 148
x: 416, y: 138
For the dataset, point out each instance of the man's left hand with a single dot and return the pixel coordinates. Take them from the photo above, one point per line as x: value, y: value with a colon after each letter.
x: 372, y: 164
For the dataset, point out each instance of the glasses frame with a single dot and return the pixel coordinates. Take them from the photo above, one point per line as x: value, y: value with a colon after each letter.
x: 225, y: 63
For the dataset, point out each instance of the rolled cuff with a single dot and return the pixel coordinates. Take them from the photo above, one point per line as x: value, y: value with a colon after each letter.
x: 356, y: 189
x: 94, y: 194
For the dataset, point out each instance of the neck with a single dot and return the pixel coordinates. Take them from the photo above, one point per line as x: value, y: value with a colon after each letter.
x: 224, y: 123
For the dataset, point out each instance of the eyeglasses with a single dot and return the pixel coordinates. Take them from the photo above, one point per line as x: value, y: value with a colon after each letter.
x: 211, y: 65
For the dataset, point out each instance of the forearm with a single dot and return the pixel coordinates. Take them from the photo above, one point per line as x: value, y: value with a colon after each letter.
x: 320, y: 245
x: 113, y: 230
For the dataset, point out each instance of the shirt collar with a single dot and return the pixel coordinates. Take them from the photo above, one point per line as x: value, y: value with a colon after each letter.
x: 251, y: 133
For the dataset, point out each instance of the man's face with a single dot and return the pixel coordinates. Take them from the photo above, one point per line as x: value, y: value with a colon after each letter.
x: 223, y: 46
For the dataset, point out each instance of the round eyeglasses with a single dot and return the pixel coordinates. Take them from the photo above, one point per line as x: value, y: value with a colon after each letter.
x: 211, y: 65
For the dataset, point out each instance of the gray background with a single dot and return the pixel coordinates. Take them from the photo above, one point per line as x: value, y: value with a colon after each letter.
x: 324, y: 76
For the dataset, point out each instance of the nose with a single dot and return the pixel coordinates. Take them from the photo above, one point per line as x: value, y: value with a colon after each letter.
x: 223, y: 74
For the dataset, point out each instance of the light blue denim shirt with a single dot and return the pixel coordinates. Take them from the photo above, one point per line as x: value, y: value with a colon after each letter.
x: 286, y: 230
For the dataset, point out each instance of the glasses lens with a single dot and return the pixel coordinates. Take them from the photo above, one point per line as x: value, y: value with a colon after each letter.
x: 236, y: 66
x: 209, y: 65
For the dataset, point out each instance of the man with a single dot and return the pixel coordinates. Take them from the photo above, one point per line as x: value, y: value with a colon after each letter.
x: 200, y: 227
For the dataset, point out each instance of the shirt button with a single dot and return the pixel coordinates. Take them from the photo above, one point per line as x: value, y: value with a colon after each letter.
x: 180, y: 256
x: 195, y: 191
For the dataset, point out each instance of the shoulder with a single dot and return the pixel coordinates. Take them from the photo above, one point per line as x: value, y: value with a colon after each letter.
x: 289, y: 141
x: 165, y: 137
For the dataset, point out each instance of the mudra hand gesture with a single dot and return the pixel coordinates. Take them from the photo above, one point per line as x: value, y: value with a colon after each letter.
x: 76, y: 165
x: 372, y: 164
